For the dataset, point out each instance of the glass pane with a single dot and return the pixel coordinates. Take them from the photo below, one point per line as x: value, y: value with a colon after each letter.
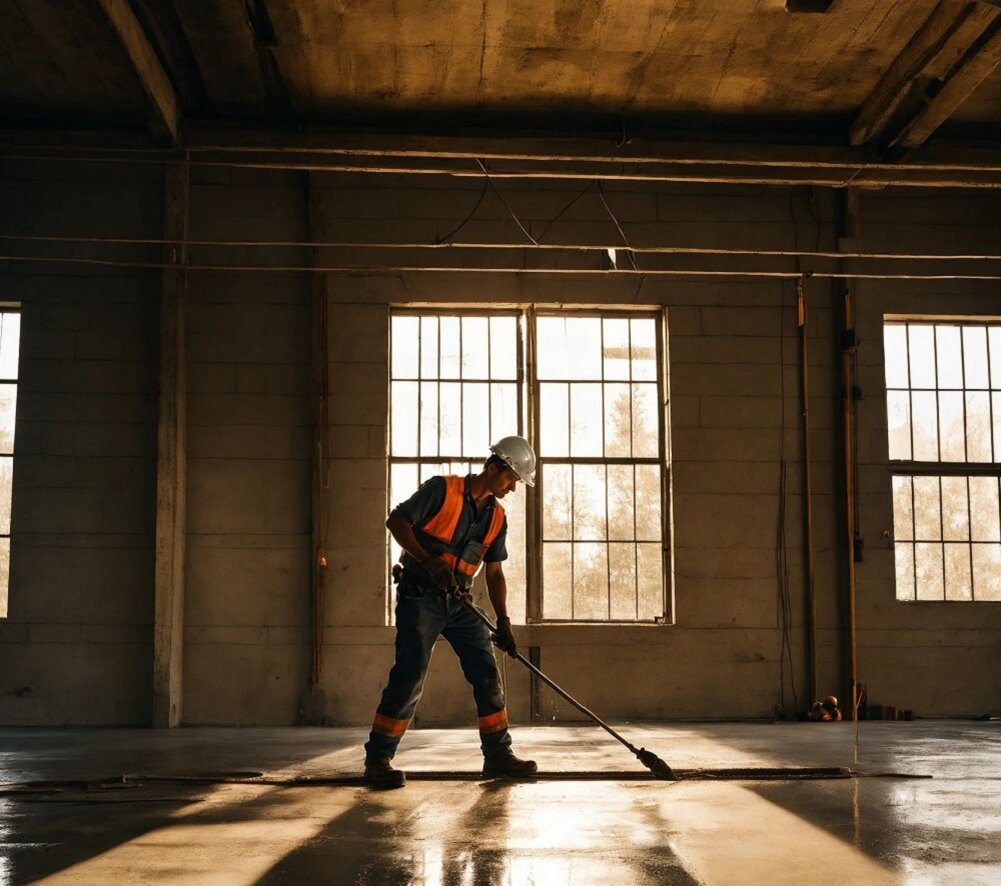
x: 978, y: 426
x: 987, y: 572
x: 616, y: 349
x: 406, y: 334
x: 949, y: 357
x: 924, y: 409
x: 895, y: 355
x: 929, y: 568
x: 514, y: 566
x: 955, y: 509
x: 927, y: 516
x: 430, y: 366
x: 644, y: 341
x: 6, y: 489
x: 474, y: 347
x: 898, y: 419
x: 622, y: 570
x: 958, y: 582
x: 651, y: 581
x: 557, y: 571
x: 994, y: 344
x: 429, y: 418
x: 555, y: 482
x: 903, y: 515
x: 402, y: 484
x: 10, y: 343
x: 904, y: 560
x: 554, y: 421
x: 589, y: 502
x: 503, y: 410
x: 551, y: 347
x: 450, y: 410
x: 984, y: 509
x: 475, y: 420
x: 922, y: 351
x: 503, y: 348
x: 590, y: 582
x: 951, y: 413
x: 996, y: 412
x: 449, y: 347
x: 586, y: 420
x: 4, y: 574
x: 8, y: 411
x: 404, y: 420
x: 646, y: 441
x: 621, y: 503
x: 618, y: 417
x: 975, y: 356
x: 583, y: 348
x: 648, y: 513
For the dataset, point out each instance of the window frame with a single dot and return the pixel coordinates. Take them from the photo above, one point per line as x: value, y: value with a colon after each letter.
x: 528, y: 409
x: 536, y: 572
x: 941, y: 469
x: 10, y: 308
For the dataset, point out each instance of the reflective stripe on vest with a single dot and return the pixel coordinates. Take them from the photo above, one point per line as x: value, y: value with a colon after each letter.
x: 442, y: 525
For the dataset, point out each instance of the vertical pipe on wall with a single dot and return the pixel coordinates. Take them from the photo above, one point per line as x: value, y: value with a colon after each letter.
x: 811, y: 604
x: 849, y: 386
x: 313, y: 702
x: 171, y: 459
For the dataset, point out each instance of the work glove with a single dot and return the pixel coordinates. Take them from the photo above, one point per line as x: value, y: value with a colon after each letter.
x: 504, y: 638
x: 441, y: 572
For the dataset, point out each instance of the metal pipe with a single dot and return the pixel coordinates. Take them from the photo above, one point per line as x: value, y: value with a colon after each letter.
x: 554, y: 247
x: 393, y: 270
x: 811, y: 603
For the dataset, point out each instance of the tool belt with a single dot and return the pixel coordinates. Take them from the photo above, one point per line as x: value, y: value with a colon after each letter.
x: 410, y: 585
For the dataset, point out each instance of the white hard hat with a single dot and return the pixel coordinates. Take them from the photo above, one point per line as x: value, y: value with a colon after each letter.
x: 517, y: 452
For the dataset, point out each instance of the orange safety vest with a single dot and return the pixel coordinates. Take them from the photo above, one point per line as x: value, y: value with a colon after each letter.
x: 442, y: 526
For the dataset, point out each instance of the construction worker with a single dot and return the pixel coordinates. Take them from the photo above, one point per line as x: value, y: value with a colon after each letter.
x: 446, y: 529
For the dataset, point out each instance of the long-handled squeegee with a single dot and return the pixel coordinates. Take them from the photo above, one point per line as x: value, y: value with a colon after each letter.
x: 658, y: 767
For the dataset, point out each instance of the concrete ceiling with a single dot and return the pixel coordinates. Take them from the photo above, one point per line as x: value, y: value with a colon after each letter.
x: 729, y: 68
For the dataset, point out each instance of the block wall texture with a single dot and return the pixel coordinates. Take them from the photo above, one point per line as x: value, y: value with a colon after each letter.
x: 84, y: 487
x: 76, y: 646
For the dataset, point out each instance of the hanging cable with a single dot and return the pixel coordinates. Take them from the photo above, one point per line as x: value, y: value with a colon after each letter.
x: 615, y: 221
x: 510, y: 211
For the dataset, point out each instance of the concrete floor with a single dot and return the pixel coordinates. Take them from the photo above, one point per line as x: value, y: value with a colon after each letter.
x: 173, y: 818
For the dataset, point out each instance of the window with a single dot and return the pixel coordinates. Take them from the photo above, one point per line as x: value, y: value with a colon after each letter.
x: 943, y: 398
x: 594, y: 392
x: 10, y: 342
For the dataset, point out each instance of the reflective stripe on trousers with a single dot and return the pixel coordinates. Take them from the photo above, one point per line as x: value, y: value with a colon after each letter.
x: 419, y: 622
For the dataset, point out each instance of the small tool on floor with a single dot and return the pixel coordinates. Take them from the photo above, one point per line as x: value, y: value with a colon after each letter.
x: 658, y: 767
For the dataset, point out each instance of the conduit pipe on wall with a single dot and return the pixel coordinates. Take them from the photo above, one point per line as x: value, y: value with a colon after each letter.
x: 312, y: 708
x: 850, y: 394
x: 810, y: 595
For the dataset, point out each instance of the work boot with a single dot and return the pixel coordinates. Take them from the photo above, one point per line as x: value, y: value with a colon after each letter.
x: 379, y: 773
x: 507, y: 765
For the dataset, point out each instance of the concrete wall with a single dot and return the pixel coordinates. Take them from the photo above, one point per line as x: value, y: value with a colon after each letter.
x: 76, y: 647
x: 735, y: 411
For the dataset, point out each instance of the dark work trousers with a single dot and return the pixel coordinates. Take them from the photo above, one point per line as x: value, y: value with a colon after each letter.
x: 421, y: 615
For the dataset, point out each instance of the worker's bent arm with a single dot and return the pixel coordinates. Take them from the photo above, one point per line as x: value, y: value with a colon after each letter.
x: 403, y: 531
x: 497, y: 588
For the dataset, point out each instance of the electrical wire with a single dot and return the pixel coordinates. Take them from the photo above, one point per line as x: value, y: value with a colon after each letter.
x: 510, y: 211
x: 445, y: 240
x: 615, y: 221
x: 562, y: 212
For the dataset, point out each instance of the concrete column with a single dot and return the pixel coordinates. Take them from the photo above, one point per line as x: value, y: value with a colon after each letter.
x: 171, y: 478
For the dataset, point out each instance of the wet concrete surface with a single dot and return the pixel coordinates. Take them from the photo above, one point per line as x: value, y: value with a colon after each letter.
x: 89, y: 806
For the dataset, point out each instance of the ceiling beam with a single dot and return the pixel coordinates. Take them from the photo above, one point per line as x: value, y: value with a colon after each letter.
x: 947, y: 58
x: 166, y: 118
